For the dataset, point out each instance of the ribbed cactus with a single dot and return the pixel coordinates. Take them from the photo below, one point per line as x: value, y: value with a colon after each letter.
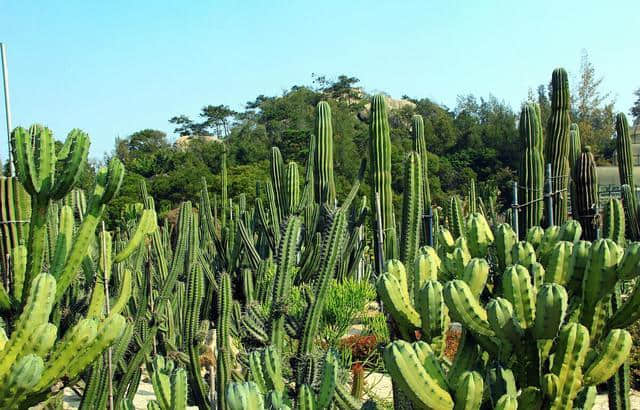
x: 613, y: 225
x: 557, y: 143
x: 46, y: 175
x: 625, y: 170
x: 585, y: 194
x: 411, y: 212
x: 420, y: 146
x: 223, y: 372
x: 325, y: 190
x: 380, y: 156
x: 515, y: 319
x: 169, y: 385
x: 531, y: 169
x: 15, y: 213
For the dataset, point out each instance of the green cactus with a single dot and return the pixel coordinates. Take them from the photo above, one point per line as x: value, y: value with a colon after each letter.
x: 411, y: 213
x: 380, y: 154
x: 625, y: 169
x: 169, y: 385
x: 244, y: 396
x: 325, y: 191
x: 406, y: 369
x: 586, y: 202
x: 531, y: 168
x: 46, y: 176
x: 614, y: 222
x: 223, y: 372
x: 15, y: 213
x: 558, y: 143
x: 420, y: 146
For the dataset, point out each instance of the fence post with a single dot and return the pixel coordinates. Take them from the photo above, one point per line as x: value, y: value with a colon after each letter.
x: 514, y: 210
x: 548, y: 196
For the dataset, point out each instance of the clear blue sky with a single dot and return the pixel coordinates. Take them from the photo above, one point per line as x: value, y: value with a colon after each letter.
x: 114, y: 67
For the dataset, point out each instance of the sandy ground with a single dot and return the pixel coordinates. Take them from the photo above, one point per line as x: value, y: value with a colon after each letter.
x: 144, y: 395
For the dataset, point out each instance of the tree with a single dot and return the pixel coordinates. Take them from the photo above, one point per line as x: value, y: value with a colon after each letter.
x: 593, y: 108
x: 635, y: 109
x: 217, y: 117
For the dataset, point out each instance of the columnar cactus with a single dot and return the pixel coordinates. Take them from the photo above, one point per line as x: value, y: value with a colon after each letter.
x: 420, y: 146
x: 411, y: 211
x: 531, y: 169
x: 325, y: 191
x: 380, y: 155
x: 223, y: 372
x: 585, y: 199
x: 557, y: 143
x: 15, y: 208
x: 625, y: 169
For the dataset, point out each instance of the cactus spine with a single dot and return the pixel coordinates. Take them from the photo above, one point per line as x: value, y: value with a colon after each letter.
x: 557, y: 146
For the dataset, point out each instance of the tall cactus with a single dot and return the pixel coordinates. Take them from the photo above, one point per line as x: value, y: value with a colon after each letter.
x: 15, y: 208
x: 420, y: 146
x: 625, y: 169
x: 46, y: 175
x: 223, y: 373
x: 411, y: 212
x: 585, y: 200
x: 575, y: 149
x: 558, y: 144
x: 380, y: 153
x: 531, y: 170
x: 323, y: 160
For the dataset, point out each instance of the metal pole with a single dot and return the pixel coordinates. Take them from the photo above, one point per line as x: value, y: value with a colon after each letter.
x: 548, y: 196
x: 7, y: 103
x: 514, y: 210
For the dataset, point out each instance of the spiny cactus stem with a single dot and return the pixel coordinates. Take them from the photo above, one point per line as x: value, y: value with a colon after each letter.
x: 548, y: 195
x: 514, y: 206
x: 37, y: 235
x: 103, y: 244
x: 380, y: 237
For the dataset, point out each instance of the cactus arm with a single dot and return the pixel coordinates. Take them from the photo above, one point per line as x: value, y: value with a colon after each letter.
x: 612, y: 354
x: 567, y: 364
x: 147, y: 225
x: 35, y: 312
x: 403, y: 365
x: 464, y: 308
